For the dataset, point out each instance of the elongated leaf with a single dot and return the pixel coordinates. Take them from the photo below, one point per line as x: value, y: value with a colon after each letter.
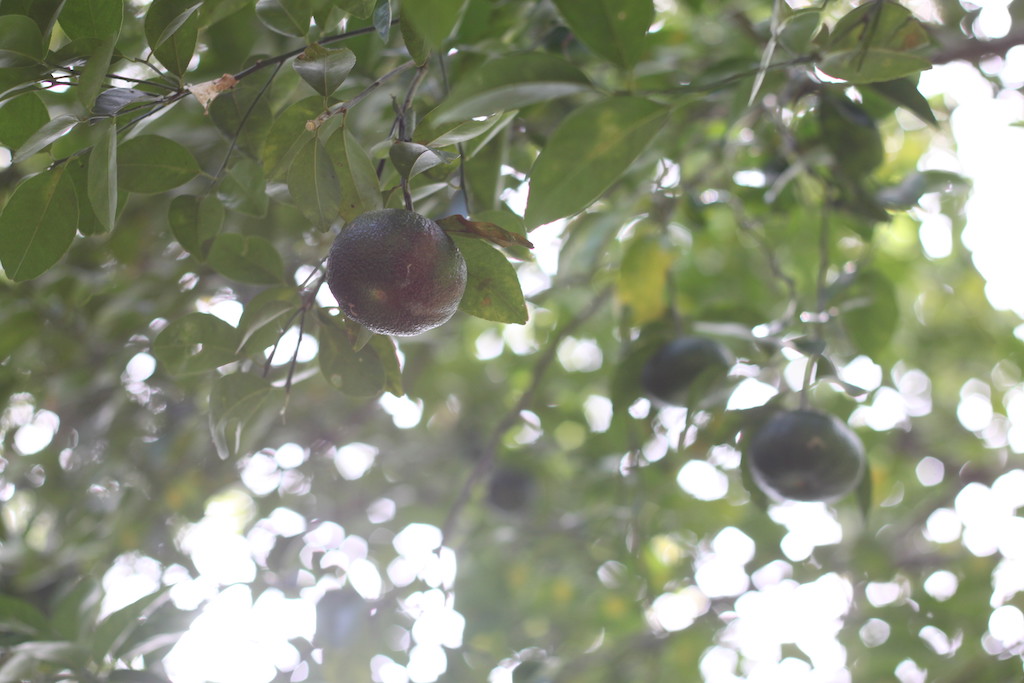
x: 587, y: 153
x: 237, y: 400
x: 20, y: 117
x: 614, y: 29
x: 195, y: 344
x: 360, y: 8
x: 434, y: 20
x: 172, y: 40
x: 643, y: 278
x: 509, y: 82
x: 102, y: 177
x: 357, y: 373
x: 243, y: 115
x: 382, y: 19
x: 113, y: 100
x: 360, y: 188
x: 265, y: 316
x: 314, y: 185
x: 287, y: 135
x: 287, y: 17
x: 870, y: 312
x: 415, y: 44
x: 150, y: 164
x: 194, y: 222
x: 38, y: 224
x: 492, y: 288
x: 18, y: 616
x: 877, y: 41
x: 21, y: 43
x: 91, y: 19
x: 118, y: 626
x: 22, y: 662
x: 904, y: 92
x: 411, y: 159
x: 95, y: 72
x: 851, y: 135
x: 244, y: 258
x: 324, y: 70
x: 55, y: 129
x: 244, y: 189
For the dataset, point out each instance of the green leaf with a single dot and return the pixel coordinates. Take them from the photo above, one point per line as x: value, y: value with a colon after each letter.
x: 415, y: 44
x: 870, y: 312
x: 388, y: 355
x: 643, y: 279
x: 20, y: 117
x: 904, y: 92
x: 356, y: 373
x: 237, y: 401
x: 877, y: 41
x: 454, y: 132
x: 508, y: 82
x: 360, y: 188
x: 588, y: 152
x: 411, y: 159
x: 118, y: 626
x: 38, y: 224
x: 21, y: 617
x: 91, y: 19
x: 288, y: 134
x: 265, y: 316
x: 102, y: 175
x: 194, y: 344
x: 251, y: 259
x: 434, y: 20
x: 797, y: 31
x: 172, y: 40
x: 22, y: 662
x: 851, y: 135
x: 359, y: 8
x: 55, y: 129
x: 195, y: 221
x: 313, y: 184
x: 492, y: 287
x: 244, y: 116
x: 287, y: 17
x: 244, y: 189
x: 382, y: 20
x: 95, y: 72
x: 21, y: 43
x: 150, y: 164
x: 74, y: 612
x: 614, y: 29
x: 324, y: 70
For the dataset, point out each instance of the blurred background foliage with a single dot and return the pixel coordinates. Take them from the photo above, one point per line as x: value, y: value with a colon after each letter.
x: 489, y: 501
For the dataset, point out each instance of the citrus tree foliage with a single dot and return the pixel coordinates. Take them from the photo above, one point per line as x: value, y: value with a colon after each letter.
x: 745, y: 171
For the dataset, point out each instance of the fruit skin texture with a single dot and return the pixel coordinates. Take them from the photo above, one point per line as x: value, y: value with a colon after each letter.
x: 806, y: 455
x: 668, y: 374
x: 396, y: 272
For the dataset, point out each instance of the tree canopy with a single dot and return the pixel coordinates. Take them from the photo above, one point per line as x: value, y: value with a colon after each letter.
x: 190, y: 422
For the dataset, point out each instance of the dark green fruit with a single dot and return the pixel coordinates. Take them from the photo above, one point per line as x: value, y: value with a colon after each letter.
x: 671, y: 372
x: 806, y: 455
x: 396, y: 272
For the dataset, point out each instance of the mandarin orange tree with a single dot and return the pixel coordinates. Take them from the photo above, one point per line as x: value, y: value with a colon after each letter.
x: 465, y: 466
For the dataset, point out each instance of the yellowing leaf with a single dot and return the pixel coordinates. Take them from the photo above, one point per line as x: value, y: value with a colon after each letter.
x: 643, y: 279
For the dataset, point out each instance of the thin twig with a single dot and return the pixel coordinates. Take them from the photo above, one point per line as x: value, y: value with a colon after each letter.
x: 245, y: 119
x: 490, y: 452
x: 343, y: 107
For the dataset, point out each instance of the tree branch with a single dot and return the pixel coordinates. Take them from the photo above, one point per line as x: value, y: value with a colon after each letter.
x: 973, y: 50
